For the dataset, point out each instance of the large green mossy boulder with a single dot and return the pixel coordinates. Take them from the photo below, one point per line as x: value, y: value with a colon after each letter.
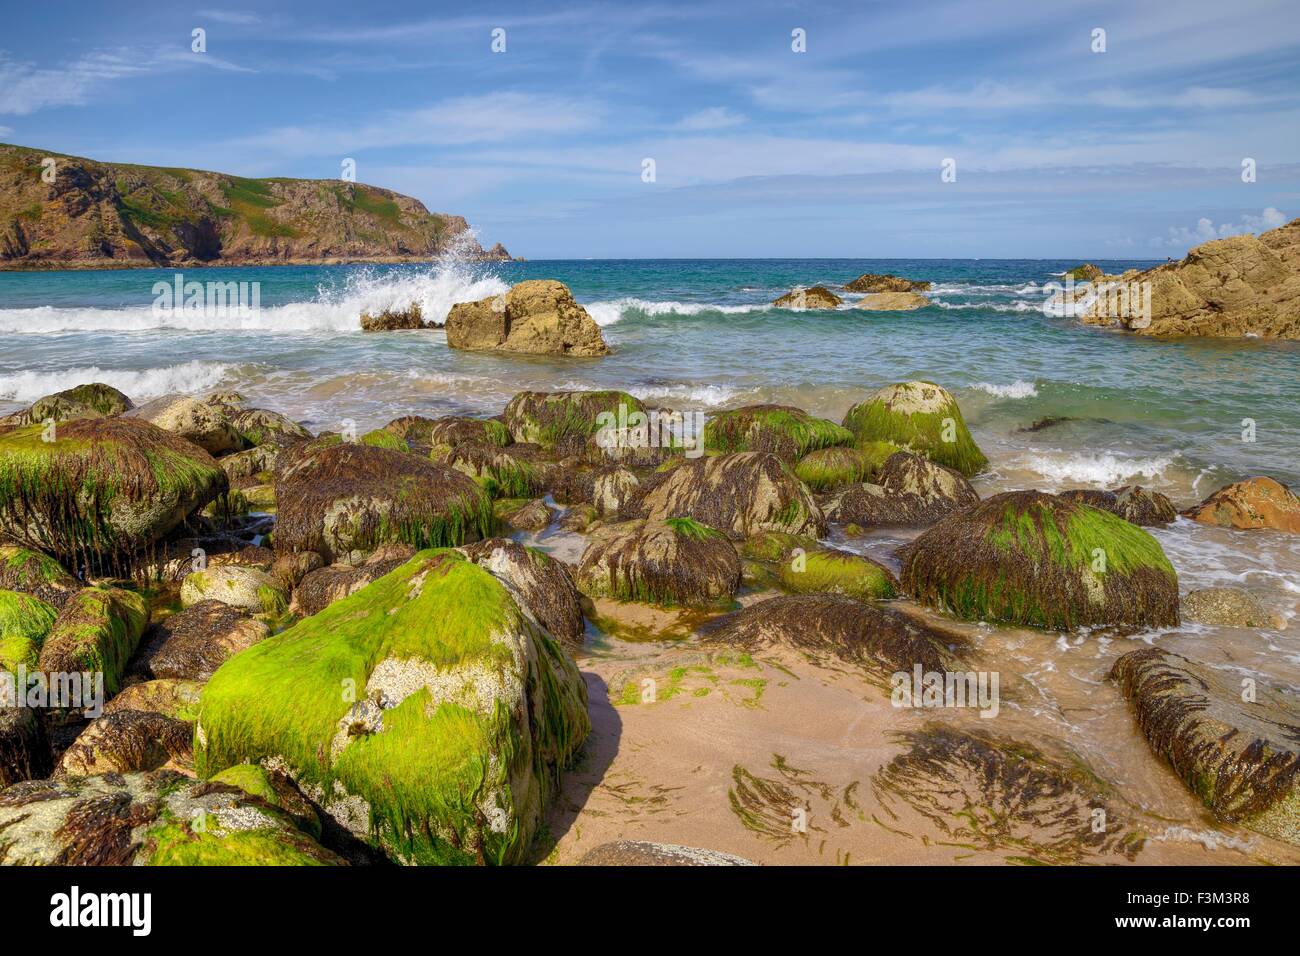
x: 783, y: 430
x: 155, y: 818
x: 1238, y: 752
x: 98, y: 630
x: 344, y: 501
x: 95, y: 400
x: 677, y: 561
x: 802, y: 565
x: 426, y: 713
x: 827, y: 469
x: 102, y: 490
x: 37, y: 574
x: 1030, y: 558
x: 548, y: 418
x: 920, y: 416
x: 24, y: 622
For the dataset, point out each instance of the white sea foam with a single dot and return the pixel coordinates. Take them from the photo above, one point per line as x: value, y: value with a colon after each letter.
x: 189, y: 377
x: 607, y: 313
x: 1095, y: 469
x: 1019, y: 305
x: 336, y: 309
x: 1017, y: 389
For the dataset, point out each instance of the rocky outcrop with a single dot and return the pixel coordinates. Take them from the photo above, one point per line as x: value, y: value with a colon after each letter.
x: 740, y: 495
x: 921, y: 417
x: 1253, y: 503
x: 1133, y: 503
x: 1085, y: 273
x: 1025, y: 557
x: 783, y: 430
x: 908, y: 491
x: 539, y: 317
x: 872, y: 282
x: 1236, y: 287
x: 84, y: 401
x: 892, y: 302
x: 106, y: 215
x: 816, y: 297
x: 394, y: 320
x: 1239, y: 755
x: 199, y: 422
x: 677, y: 561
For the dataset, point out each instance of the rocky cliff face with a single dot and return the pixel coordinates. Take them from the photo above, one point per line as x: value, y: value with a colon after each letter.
x: 106, y: 215
x: 1237, y: 287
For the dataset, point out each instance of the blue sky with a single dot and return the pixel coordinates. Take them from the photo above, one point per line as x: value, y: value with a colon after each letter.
x: 759, y: 150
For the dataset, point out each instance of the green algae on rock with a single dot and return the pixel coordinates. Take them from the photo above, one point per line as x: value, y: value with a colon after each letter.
x: 425, y: 433
x: 241, y: 586
x: 920, y: 416
x: 1025, y: 557
x: 260, y: 426
x: 831, y: 571
x: 740, y: 495
x: 98, y: 631
x: 154, y: 818
x: 828, y: 469
x: 24, y: 622
x: 783, y: 430
x: 503, y: 472
x: 547, y: 418
x: 426, y: 713
x: 1133, y: 503
x: 37, y: 574
x: 909, y: 491
x: 1241, y: 758
x: 673, y: 562
x: 102, y: 490
x: 94, y: 400
x: 345, y: 500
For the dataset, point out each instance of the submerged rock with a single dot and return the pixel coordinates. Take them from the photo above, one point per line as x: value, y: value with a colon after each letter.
x: 191, y: 644
x: 126, y: 741
x: 1133, y: 503
x: 1224, y: 607
x: 344, y: 501
x: 1030, y: 558
x: 783, y: 430
x: 157, y: 818
x: 538, y: 316
x: 95, y: 400
x: 641, y: 853
x: 815, y: 297
x: 1241, y: 757
x: 542, y: 584
x: 740, y: 495
x: 205, y: 425
x: 104, y: 488
x: 449, y: 673
x: 97, y: 630
x: 872, y: 282
x: 919, y: 416
x: 548, y: 418
x: 1253, y: 503
x: 910, y: 491
x: 892, y: 302
x: 674, y: 561
x: 832, y: 625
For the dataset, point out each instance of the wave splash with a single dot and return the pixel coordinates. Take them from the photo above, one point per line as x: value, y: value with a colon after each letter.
x: 189, y: 377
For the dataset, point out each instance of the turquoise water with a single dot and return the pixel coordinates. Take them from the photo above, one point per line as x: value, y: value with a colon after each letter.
x: 692, y: 334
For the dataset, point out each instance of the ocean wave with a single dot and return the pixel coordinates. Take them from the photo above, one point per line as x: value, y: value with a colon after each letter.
x: 333, y: 309
x: 190, y: 378
x: 1096, y: 469
x: 1017, y: 389
x: 607, y: 313
x: 962, y: 288
x: 1020, y: 305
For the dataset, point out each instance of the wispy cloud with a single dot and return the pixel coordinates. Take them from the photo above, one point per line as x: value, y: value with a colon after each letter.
x: 230, y: 17
x: 1182, y: 237
x: 715, y: 117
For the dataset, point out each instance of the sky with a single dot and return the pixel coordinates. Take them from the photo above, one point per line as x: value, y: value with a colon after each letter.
x: 707, y: 129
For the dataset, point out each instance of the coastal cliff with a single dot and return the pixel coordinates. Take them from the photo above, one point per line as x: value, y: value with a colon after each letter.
x: 82, y: 214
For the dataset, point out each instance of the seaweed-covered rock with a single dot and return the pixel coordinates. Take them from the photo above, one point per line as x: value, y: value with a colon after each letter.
x: 1026, y: 557
x: 259, y: 462
x: 191, y: 644
x: 909, y: 491
x: 538, y: 316
x: 155, y: 818
x: 427, y: 713
x: 24, y: 748
x: 920, y: 416
x: 239, y: 585
x: 1253, y: 503
x: 1133, y: 503
x: 1224, y: 607
x: 205, y: 425
x: 126, y: 741
x: 783, y: 430
x: 873, y: 282
x: 1085, y: 273
x: 503, y: 472
x: 740, y: 495
x: 1241, y: 757
x: 25, y: 620
x: 37, y: 574
x: 815, y: 297
x: 832, y: 571
x: 535, y: 515
x: 451, y: 430
x: 103, y: 488
x: 290, y: 567
x: 321, y: 588
x: 171, y: 697
x: 641, y: 853
x: 344, y: 501
x: 828, y: 469
x: 98, y: 630
x: 673, y: 561
x: 612, y: 488
x: 395, y: 320
x: 95, y: 400
x: 276, y: 789
x: 259, y: 426
x: 542, y: 584
x: 548, y: 418
x: 825, y: 626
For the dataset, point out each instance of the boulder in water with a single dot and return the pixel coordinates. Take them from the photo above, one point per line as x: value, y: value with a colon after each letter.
x: 1253, y: 503
x: 816, y: 297
x: 873, y: 282
x: 1133, y: 503
x: 539, y: 316
x: 919, y: 416
x: 909, y: 491
x: 207, y: 426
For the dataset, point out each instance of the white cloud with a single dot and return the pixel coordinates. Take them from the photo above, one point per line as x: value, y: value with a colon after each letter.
x: 231, y: 17
x: 1205, y: 230
x: 715, y: 117
x: 24, y: 88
